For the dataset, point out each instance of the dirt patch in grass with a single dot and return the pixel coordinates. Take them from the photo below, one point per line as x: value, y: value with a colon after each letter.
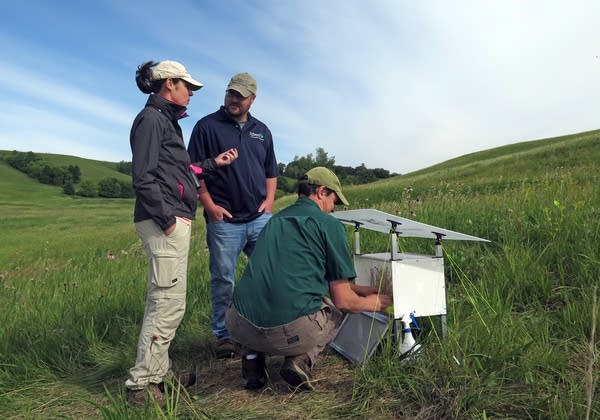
x: 220, y: 391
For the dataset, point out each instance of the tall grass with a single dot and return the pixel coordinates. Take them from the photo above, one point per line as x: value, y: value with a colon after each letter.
x: 520, y: 310
x: 521, y: 336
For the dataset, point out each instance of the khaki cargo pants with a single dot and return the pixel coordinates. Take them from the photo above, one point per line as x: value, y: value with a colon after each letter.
x: 308, y: 334
x: 165, y: 302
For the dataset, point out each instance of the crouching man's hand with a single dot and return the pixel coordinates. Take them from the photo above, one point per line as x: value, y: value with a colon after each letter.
x: 349, y: 297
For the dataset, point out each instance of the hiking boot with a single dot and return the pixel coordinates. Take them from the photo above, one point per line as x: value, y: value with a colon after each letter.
x: 225, y: 348
x: 296, y: 372
x: 141, y: 397
x: 184, y: 379
x: 253, y: 370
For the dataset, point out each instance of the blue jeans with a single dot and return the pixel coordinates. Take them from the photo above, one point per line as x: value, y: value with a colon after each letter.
x: 225, y: 243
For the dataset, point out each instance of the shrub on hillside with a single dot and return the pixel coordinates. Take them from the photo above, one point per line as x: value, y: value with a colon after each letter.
x: 87, y: 188
x: 20, y: 160
x: 124, y: 167
x: 31, y: 164
x: 69, y: 189
x: 113, y: 188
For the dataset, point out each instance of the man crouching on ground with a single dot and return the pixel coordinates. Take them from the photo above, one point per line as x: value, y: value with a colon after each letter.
x: 290, y: 299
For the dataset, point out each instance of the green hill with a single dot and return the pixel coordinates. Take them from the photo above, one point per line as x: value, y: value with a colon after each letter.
x: 524, y: 159
x: 495, y: 169
x: 92, y: 170
x: 16, y: 187
x: 79, y: 176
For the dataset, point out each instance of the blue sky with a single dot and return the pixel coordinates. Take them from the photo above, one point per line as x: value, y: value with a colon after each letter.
x: 396, y: 84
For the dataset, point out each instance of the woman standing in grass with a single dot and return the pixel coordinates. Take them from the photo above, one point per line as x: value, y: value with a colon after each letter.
x: 165, y: 184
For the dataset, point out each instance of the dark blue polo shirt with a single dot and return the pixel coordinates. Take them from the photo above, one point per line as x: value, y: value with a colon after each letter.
x: 240, y: 187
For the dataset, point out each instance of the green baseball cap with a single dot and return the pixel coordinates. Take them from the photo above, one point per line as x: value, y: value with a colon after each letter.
x: 243, y: 83
x: 325, y: 177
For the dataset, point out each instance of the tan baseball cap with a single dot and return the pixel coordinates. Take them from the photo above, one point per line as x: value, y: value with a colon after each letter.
x: 243, y: 83
x: 173, y: 70
x: 324, y: 176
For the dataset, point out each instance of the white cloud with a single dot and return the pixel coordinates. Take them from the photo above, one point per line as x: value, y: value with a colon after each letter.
x: 60, y: 95
x: 393, y: 84
x: 483, y: 76
x: 27, y: 128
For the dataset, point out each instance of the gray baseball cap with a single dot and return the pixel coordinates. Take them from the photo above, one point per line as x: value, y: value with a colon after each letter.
x: 243, y: 83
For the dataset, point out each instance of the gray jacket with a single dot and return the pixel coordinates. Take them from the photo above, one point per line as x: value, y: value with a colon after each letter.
x: 164, y: 185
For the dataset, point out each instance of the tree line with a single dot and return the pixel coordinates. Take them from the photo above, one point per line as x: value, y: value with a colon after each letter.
x: 68, y: 177
x: 290, y: 173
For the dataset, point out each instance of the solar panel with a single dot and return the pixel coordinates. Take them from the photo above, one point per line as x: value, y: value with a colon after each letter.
x: 384, y: 222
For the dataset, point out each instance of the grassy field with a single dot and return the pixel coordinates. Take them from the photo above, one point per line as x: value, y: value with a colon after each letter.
x: 522, y: 337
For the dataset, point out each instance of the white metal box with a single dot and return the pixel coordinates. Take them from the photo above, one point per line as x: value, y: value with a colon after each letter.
x: 416, y: 282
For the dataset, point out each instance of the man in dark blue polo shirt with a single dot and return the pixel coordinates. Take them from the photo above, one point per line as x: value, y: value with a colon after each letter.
x: 238, y: 200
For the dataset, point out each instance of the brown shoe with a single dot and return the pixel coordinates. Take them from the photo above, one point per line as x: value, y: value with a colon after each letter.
x: 296, y: 372
x: 184, y: 379
x: 225, y: 349
x: 142, y: 397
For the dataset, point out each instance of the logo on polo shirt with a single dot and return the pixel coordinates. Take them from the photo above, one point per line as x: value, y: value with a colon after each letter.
x: 257, y: 136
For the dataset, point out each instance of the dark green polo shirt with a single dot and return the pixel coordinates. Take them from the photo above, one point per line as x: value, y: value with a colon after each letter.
x: 299, y: 251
